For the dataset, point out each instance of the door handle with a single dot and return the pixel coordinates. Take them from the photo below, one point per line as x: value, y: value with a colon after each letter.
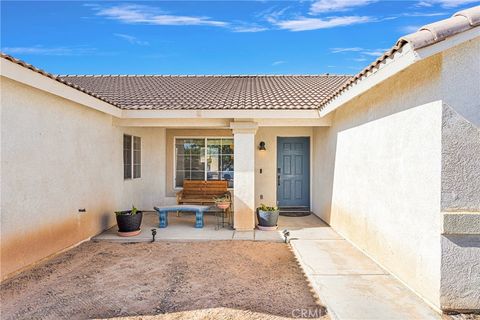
x: 278, y: 180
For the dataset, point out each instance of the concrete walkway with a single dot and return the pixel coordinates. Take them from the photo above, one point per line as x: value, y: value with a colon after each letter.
x: 349, y: 283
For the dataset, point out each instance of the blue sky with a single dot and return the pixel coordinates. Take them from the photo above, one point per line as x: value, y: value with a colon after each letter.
x: 211, y: 37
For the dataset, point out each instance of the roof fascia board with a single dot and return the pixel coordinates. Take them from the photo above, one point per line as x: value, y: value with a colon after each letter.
x: 36, y: 80
x: 397, y: 64
x: 219, y: 123
x: 315, y: 122
x: 172, y: 123
x: 219, y: 114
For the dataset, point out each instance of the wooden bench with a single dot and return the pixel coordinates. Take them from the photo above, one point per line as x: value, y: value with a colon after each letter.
x: 164, y: 210
x: 202, y: 192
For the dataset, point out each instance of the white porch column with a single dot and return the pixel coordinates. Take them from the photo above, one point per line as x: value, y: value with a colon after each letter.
x: 244, y: 175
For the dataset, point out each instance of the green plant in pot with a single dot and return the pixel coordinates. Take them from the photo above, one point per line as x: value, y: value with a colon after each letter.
x: 267, y: 217
x: 129, y: 222
x: 222, y: 202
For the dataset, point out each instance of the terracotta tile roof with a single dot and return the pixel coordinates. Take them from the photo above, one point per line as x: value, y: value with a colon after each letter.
x: 247, y: 92
x: 211, y: 92
x: 425, y: 36
x: 52, y: 76
x: 440, y: 30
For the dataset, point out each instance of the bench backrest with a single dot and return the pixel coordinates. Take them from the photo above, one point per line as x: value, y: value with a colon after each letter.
x: 208, y: 189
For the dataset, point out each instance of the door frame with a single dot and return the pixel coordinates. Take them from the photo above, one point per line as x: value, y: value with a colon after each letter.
x: 310, y: 142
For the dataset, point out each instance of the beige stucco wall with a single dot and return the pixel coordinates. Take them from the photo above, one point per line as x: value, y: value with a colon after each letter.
x: 58, y: 157
x: 385, y: 151
x: 266, y: 182
x: 323, y: 159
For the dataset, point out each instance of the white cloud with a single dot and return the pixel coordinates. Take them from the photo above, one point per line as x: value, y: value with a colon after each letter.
x: 141, y: 14
x: 303, y: 24
x: 248, y: 28
x: 409, y: 29
x: 350, y: 49
x: 424, y: 14
x: 374, y: 52
x: 321, y: 6
x: 131, y: 39
x: 51, y: 51
x: 445, y: 3
x: 279, y: 62
x: 363, y: 51
x: 271, y: 13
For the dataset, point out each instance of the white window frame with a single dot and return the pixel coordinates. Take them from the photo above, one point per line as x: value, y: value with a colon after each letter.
x: 132, y: 175
x: 196, y: 137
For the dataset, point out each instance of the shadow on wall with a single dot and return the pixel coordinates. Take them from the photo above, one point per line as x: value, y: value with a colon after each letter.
x: 323, y: 168
x: 105, y: 221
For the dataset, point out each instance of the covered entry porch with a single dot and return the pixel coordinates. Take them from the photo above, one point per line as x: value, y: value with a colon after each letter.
x: 265, y: 160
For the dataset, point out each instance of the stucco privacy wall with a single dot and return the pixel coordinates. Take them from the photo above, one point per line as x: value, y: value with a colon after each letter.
x: 385, y: 192
x: 387, y: 164
x: 62, y: 156
x: 461, y: 212
x: 460, y: 152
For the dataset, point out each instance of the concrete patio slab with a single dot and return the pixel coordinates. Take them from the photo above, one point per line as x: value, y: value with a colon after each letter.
x: 244, y: 235
x: 333, y: 257
x: 181, y: 228
x: 275, y: 236
x: 370, y: 297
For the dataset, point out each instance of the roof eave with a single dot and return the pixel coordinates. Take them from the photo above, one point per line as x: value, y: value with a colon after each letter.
x: 35, y: 79
x: 401, y: 59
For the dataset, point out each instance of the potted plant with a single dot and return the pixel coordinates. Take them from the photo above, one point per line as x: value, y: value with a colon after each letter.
x: 129, y: 222
x: 267, y: 217
x: 222, y: 202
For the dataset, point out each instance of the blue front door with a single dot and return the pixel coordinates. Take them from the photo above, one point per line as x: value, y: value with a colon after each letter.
x: 293, y: 172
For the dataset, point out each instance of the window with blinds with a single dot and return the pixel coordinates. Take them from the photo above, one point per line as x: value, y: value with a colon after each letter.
x: 203, y: 159
x: 132, y: 157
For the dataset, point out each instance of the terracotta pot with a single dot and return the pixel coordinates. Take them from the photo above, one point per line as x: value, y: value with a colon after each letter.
x: 223, y: 205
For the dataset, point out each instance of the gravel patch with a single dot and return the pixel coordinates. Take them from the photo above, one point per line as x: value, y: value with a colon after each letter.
x: 164, y: 280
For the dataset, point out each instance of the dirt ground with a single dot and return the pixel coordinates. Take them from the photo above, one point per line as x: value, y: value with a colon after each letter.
x: 176, y: 280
